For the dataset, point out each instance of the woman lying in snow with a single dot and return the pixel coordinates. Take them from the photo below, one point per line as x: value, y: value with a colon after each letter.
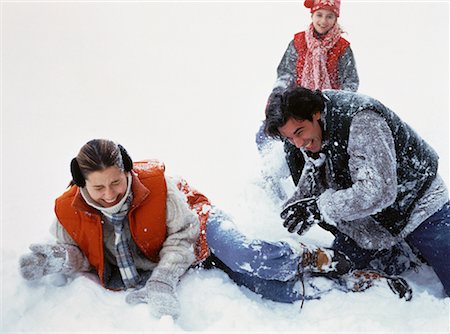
x: 140, y: 230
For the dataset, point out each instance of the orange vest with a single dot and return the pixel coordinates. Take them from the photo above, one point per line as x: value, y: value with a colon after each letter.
x: 332, y: 61
x: 146, y: 217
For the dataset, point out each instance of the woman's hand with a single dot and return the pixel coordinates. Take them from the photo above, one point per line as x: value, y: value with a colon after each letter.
x: 46, y: 259
x: 159, y: 296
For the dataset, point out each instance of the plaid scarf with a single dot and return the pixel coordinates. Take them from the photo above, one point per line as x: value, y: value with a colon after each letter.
x: 117, y: 217
x: 125, y: 262
x: 315, y: 74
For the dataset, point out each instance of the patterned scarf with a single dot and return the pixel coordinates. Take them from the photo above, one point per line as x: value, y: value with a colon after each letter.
x: 315, y: 73
x: 125, y: 262
x: 117, y: 217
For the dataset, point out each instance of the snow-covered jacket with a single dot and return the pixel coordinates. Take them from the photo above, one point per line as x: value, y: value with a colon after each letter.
x: 164, y: 230
x: 341, y: 65
x: 377, y: 179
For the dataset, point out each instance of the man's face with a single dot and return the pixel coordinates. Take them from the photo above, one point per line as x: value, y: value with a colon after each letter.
x: 303, y: 134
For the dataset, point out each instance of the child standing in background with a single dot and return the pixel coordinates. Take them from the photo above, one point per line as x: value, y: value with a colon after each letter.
x: 317, y: 58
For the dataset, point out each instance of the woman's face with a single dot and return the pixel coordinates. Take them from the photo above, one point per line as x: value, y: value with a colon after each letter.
x: 107, y: 187
x: 323, y: 20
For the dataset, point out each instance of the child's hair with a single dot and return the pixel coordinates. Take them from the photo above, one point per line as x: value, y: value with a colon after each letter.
x: 297, y: 102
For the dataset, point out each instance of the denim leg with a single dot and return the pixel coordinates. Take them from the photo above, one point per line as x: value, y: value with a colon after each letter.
x: 266, y: 268
x: 359, y: 256
x: 393, y: 261
x: 266, y: 260
x: 278, y: 291
x: 432, y: 240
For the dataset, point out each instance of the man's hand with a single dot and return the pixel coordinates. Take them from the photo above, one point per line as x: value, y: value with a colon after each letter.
x: 299, y: 216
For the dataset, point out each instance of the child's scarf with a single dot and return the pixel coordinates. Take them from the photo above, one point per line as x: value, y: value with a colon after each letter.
x: 315, y: 74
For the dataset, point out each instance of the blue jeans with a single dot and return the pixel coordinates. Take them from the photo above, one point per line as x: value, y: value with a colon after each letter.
x: 392, y: 261
x: 266, y: 268
x: 432, y: 240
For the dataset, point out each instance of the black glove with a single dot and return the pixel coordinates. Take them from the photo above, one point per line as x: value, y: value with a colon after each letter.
x: 299, y: 216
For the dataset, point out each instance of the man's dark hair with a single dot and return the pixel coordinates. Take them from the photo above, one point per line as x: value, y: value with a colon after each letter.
x: 298, y: 102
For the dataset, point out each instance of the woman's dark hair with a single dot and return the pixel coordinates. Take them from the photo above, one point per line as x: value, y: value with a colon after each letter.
x: 298, y: 102
x: 97, y: 155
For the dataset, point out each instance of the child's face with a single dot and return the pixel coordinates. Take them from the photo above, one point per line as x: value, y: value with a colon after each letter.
x: 323, y: 20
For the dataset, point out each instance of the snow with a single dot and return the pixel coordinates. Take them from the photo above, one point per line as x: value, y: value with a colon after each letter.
x: 186, y: 83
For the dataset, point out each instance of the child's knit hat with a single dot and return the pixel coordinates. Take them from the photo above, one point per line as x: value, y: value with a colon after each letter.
x: 332, y: 5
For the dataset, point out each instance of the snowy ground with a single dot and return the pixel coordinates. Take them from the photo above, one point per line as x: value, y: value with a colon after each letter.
x: 187, y: 82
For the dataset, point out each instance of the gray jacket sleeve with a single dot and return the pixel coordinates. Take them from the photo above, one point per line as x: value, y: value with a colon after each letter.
x: 372, y: 166
x: 347, y: 73
x: 286, y: 71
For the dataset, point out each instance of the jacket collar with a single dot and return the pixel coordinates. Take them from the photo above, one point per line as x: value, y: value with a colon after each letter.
x: 140, y: 192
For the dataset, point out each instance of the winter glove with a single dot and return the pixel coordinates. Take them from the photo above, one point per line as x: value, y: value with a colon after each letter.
x: 299, y: 216
x: 159, y: 296
x: 51, y: 259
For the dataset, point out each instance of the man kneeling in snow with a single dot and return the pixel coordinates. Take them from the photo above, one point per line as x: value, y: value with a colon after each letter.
x: 367, y: 177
